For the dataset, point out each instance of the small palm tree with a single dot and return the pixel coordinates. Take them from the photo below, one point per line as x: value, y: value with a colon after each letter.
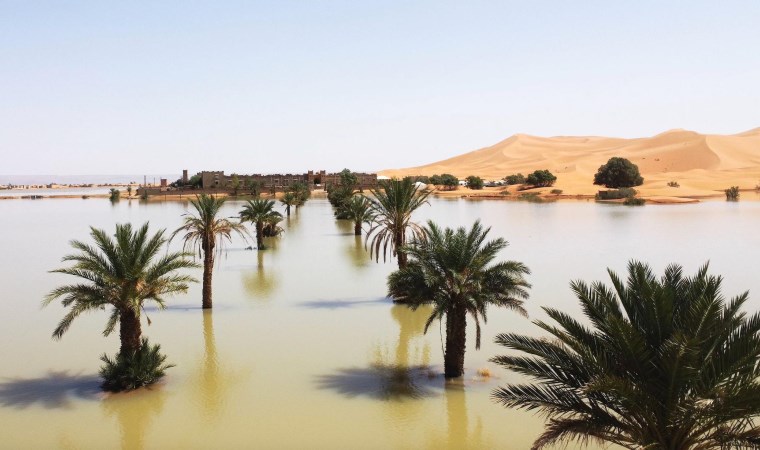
x: 358, y: 210
x: 121, y: 273
x: 301, y: 192
x: 392, y: 206
x: 662, y: 364
x: 289, y: 199
x: 259, y: 211
x: 203, y: 230
x: 452, y: 271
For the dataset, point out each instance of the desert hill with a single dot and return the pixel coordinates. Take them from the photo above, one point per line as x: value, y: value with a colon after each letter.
x: 703, y: 164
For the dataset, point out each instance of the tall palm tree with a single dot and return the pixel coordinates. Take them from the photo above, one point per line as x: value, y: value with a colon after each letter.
x: 122, y: 273
x: 259, y: 211
x: 659, y: 364
x: 301, y: 192
x: 203, y: 230
x: 358, y: 210
x: 452, y: 271
x: 393, y: 204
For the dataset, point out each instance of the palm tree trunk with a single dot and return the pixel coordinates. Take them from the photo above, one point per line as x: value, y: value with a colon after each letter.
x: 287, y: 210
x: 456, y: 336
x: 129, y: 332
x: 259, y: 235
x: 357, y: 228
x: 208, y: 267
x: 398, y: 241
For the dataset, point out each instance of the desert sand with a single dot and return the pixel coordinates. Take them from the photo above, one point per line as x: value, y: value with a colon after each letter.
x: 702, y: 164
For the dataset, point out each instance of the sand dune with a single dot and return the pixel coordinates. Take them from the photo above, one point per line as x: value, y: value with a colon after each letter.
x: 703, y: 164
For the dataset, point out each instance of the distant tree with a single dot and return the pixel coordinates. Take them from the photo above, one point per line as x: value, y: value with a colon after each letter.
x: 541, y: 178
x: 474, y: 182
x: 288, y: 199
x: 301, y: 193
x: 259, y: 212
x: 129, y: 190
x: 344, y: 190
x: 435, y: 180
x: 449, y: 181
x: 358, y: 210
x: 235, y: 184
x: 255, y: 186
x: 195, y: 181
x: 732, y: 193
x: 617, y: 173
x: 517, y: 178
x: 114, y: 194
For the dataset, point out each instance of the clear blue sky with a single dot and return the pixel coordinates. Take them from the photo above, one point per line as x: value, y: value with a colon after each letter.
x: 155, y: 87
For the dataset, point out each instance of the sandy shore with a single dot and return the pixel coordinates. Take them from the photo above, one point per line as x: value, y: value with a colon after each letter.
x: 703, y: 165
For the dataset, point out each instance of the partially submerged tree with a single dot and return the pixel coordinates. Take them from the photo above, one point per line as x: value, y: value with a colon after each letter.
x: 392, y: 206
x: 122, y: 273
x: 358, y: 210
x: 452, y: 270
x: 618, y: 173
x: 204, y: 232
x: 662, y: 364
x: 259, y: 211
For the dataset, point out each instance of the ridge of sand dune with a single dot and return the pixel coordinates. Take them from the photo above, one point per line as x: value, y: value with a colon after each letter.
x: 703, y: 164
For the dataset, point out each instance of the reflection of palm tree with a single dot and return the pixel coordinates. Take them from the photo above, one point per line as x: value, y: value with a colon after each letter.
x: 458, y: 434
x: 263, y: 282
x: 135, y: 412
x: 210, y: 373
x: 357, y: 253
x: 411, y: 324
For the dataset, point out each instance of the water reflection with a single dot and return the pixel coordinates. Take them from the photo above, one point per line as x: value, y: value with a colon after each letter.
x: 458, y: 434
x: 346, y: 227
x: 261, y: 283
x: 135, y: 411
x: 357, y: 253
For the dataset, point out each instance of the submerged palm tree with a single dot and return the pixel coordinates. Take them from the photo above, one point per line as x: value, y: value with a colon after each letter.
x: 203, y: 231
x: 122, y: 273
x: 393, y: 204
x: 358, y: 210
x: 663, y: 364
x: 289, y: 199
x: 452, y: 271
x: 259, y: 212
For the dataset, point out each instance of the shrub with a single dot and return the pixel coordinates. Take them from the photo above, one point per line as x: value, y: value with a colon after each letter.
x: 616, y: 194
x: 556, y: 191
x: 541, y: 178
x: 732, y: 193
x: 517, y: 178
x: 634, y: 201
x: 114, y: 194
x: 474, y: 182
x: 131, y: 371
x: 617, y: 173
x: 673, y: 184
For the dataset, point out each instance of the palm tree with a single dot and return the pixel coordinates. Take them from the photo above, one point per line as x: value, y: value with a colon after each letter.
x: 204, y: 230
x: 359, y: 210
x: 259, y: 211
x: 395, y: 201
x: 661, y: 364
x: 301, y: 192
x: 452, y: 271
x: 123, y: 273
x: 289, y: 199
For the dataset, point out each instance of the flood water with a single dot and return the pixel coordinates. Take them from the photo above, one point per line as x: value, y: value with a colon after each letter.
x: 303, y: 349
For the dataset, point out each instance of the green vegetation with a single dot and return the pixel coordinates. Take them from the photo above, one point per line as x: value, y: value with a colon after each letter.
x: 255, y: 187
x: 341, y: 193
x: 556, y: 191
x: 288, y: 199
x: 517, y: 178
x: 657, y: 364
x: 202, y: 231
x: 392, y: 207
x: 474, y: 182
x: 358, y: 210
x: 114, y: 195
x: 673, y: 184
x: 447, y: 180
x: 133, y: 370
x: 618, y: 173
x: 732, y: 193
x: 261, y: 212
x: 121, y: 272
x: 541, y: 178
x: 235, y: 184
x: 452, y: 271
x: 129, y: 190
x: 272, y: 226
x: 634, y: 201
x: 616, y: 194
x: 301, y: 193
x: 196, y: 181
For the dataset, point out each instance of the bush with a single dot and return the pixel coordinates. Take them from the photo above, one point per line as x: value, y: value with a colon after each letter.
x: 634, y: 201
x: 616, y: 194
x: 128, y: 372
x: 541, y: 178
x: 673, y: 184
x: 517, y: 178
x: 556, y: 191
x: 474, y: 182
x: 617, y: 173
x: 732, y: 193
x: 114, y: 194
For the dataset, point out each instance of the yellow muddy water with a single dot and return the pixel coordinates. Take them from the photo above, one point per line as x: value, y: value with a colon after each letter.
x: 302, y: 348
